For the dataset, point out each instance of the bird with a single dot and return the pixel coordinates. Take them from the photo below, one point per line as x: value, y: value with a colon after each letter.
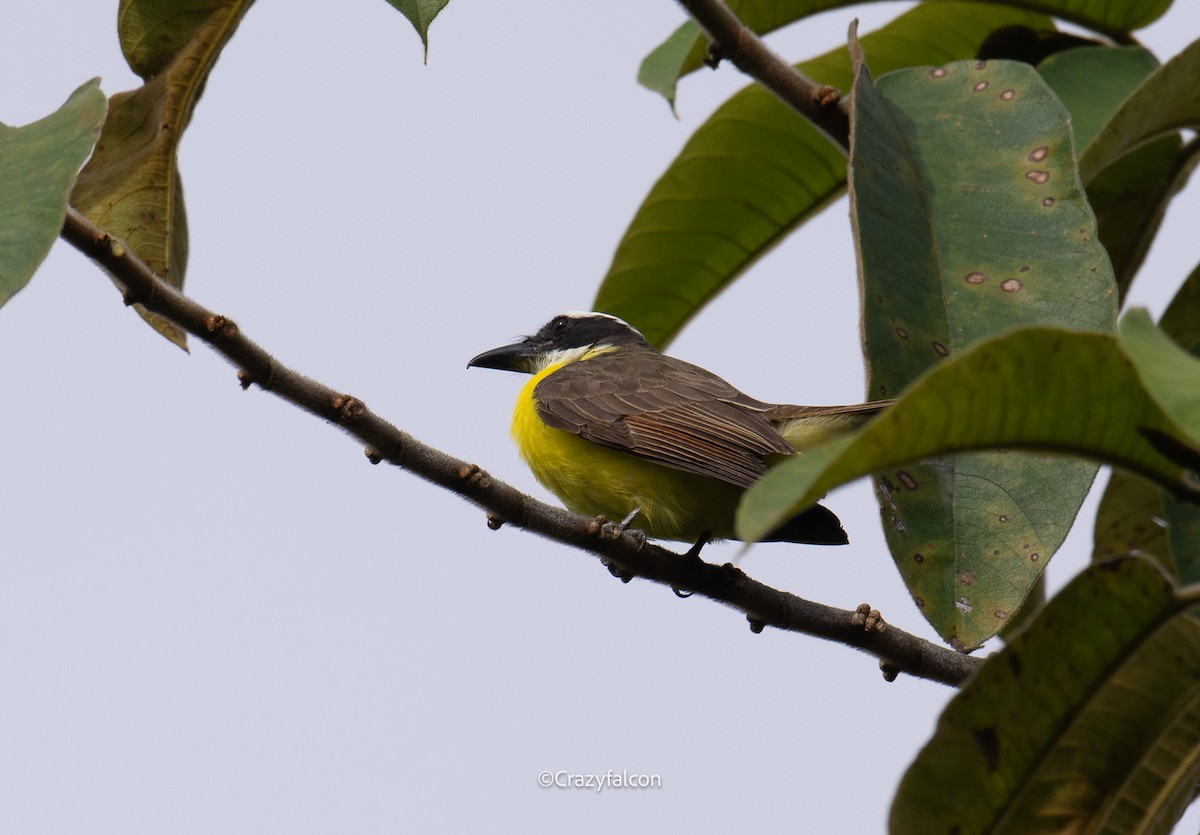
x: 615, y: 428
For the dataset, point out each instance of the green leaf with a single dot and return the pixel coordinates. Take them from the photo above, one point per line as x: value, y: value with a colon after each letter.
x: 1089, y: 721
x: 1076, y: 393
x: 1032, y: 46
x: 153, y: 32
x: 1130, y: 196
x: 1170, y: 374
x: 38, y: 165
x: 684, y: 50
x: 1092, y: 81
x: 1059, y: 377
x: 420, y: 14
x: 131, y: 186
x: 755, y: 171
x: 662, y: 67
x: 1130, y: 199
x: 1135, y: 516
x: 955, y: 246
x: 1166, y: 101
x: 1181, y: 320
x: 1183, y: 533
x: 1109, y: 16
x: 1131, y: 520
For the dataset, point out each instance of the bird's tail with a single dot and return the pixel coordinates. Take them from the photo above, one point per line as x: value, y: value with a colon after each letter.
x: 806, y: 426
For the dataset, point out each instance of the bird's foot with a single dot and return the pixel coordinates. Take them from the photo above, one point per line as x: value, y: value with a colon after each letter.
x: 693, y: 553
x: 603, y: 529
x: 622, y: 574
x: 622, y: 527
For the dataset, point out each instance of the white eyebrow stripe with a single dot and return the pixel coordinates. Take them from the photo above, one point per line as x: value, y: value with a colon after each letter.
x: 591, y: 314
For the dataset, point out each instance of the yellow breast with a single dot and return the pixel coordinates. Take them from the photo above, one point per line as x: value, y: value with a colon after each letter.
x: 596, y: 480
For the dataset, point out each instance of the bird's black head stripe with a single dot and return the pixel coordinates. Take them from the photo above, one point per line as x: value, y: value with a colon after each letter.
x: 577, y: 330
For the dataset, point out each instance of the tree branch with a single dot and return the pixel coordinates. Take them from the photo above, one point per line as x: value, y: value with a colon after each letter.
x: 820, y: 104
x: 623, y: 552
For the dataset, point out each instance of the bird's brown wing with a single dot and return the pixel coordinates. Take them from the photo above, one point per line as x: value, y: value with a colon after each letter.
x: 664, y: 410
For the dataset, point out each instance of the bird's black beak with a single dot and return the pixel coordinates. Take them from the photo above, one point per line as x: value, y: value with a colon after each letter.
x: 516, y: 357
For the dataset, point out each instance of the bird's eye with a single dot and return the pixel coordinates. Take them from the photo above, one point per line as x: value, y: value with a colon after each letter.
x: 560, y: 324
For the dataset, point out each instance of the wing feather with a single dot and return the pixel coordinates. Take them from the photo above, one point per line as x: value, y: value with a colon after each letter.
x: 664, y: 410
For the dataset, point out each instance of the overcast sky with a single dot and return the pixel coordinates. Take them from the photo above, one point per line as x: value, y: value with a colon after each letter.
x: 215, y: 616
